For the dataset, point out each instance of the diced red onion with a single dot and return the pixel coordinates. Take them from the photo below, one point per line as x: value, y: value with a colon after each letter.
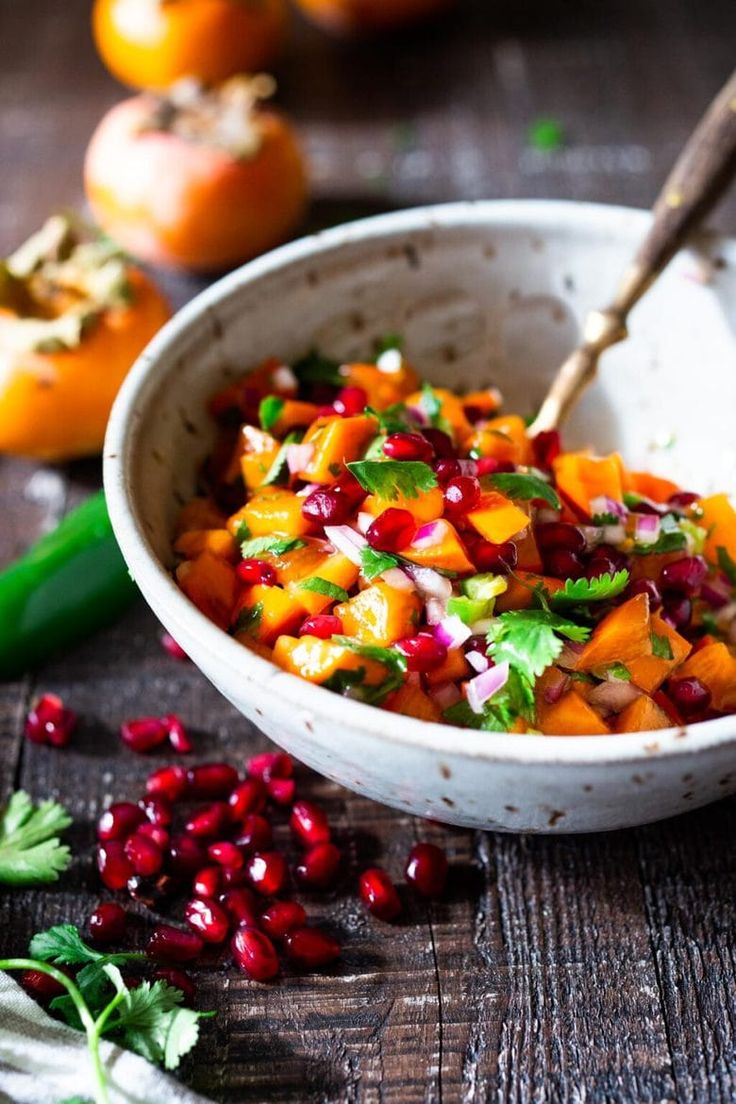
x: 716, y: 593
x: 468, y: 467
x: 477, y: 661
x: 480, y: 689
x: 614, y: 695
x: 435, y: 609
x: 364, y: 521
x: 396, y: 579
x: 614, y: 534
x: 347, y: 541
x: 545, y: 515
x: 646, y: 530
x: 417, y: 415
x: 452, y: 631
x: 445, y: 695
x: 283, y: 379
x: 569, y: 654
x: 308, y: 490
x: 605, y: 505
x: 593, y: 535
x: 298, y: 457
x: 429, y: 583
x: 429, y: 535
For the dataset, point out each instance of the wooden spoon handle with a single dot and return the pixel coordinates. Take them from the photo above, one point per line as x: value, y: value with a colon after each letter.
x: 701, y: 174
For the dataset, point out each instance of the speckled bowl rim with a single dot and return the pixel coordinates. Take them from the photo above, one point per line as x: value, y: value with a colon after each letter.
x: 139, y: 389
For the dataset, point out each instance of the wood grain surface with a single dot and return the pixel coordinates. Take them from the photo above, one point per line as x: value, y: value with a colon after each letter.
x: 597, y: 969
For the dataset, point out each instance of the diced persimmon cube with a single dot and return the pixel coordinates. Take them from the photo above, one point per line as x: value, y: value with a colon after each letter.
x: 380, y: 614
x: 210, y: 582
x: 272, y: 511
x: 443, y: 550
x: 641, y: 715
x: 719, y: 519
x: 199, y: 513
x: 318, y: 660
x: 572, y: 716
x: 336, y: 569
x: 582, y: 477
x: 715, y: 666
x: 622, y: 636
x: 278, y: 612
x: 411, y: 701
x: 218, y: 541
x: 293, y: 415
x: 650, y: 671
x: 337, y: 441
x: 426, y: 506
x: 382, y: 388
x: 496, y: 518
x: 504, y: 439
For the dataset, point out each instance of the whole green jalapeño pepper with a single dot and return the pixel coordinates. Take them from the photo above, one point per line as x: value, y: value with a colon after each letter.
x: 69, y: 584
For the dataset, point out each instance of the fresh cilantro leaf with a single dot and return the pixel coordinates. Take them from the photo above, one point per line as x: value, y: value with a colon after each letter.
x: 64, y: 946
x: 30, y: 851
x: 600, y: 589
x: 269, y: 411
x: 709, y: 623
x: 388, y: 341
x: 278, y: 473
x: 323, y: 586
x: 661, y: 647
x: 619, y: 671
x: 726, y: 564
x: 513, y: 701
x: 242, y: 532
x: 391, y: 479
x: 374, y: 563
x: 524, y: 486
x: 248, y: 620
x: 605, y: 519
x: 94, y: 985
x: 394, y: 419
x: 315, y: 368
x: 529, y: 640
x: 275, y: 546
x: 430, y: 404
x: 345, y: 681
x: 388, y: 656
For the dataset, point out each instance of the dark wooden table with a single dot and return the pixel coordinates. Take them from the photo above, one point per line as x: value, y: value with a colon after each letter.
x: 573, y: 969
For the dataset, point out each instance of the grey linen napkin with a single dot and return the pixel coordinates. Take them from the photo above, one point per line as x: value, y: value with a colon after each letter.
x: 42, y: 1061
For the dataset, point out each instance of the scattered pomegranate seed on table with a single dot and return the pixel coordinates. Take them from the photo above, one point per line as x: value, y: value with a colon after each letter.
x: 426, y: 869
x: 108, y: 922
x: 311, y: 948
x: 50, y: 722
x: 173, y: 649
x: 174, y: 945
x: 378, y: 894
x: 207, y: 919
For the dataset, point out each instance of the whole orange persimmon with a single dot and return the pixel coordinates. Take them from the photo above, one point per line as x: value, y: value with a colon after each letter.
x: 74, y: 315
x: 153, y: 43
x: 351, y: 16
x: 199, y: 179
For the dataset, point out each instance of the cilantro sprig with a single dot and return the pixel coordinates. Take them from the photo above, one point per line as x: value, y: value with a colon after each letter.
x: 531, y: 640
x: 317, y: 585
x: 149, y: 1019
x: 600, y: 589
x: 30, y: 851
x: 392, y: 479
x: 274, y: 546
x: 525, y: 487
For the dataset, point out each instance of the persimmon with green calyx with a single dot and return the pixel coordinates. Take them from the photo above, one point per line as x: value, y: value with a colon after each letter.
x: 74, y: 315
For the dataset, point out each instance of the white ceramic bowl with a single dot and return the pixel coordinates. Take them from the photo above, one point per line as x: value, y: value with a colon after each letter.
x: 484, y: 293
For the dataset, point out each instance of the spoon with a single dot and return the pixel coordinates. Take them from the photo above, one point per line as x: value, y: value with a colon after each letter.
x: 699, y: 178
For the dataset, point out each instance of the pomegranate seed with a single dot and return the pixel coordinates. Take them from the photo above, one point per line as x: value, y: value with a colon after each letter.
x: 408, y: 446
x: 144, y: 734
x: 178, y: 736
x: 690, y: 696
x: 113, y: 864
x: 309, y: 822
x: 496, y: 558
x: 648, y: 587
x: 207, y: 919
x: 326, y: 506
x: 378, y: 894
x: 270, y: 764
x: 441, y: 443
x: 393, y: 529
x: 318, y: 869
x: 488, y: 465
x: 177, y: 979
x: 309, y: 948
x: 107, y: 923
x: 563, y: 564
x: 683, y: 500
x: 247, y: 797
x: 423, y: 653
x: 282, y: 917
x: 644, y: 506
x: 255, y: 954
x: 41, y: 986
x: 609, y: 553
x: 167, y: 782
x: 685, y: 576
x: 174, y: 945
x: 252, y: 572
x: 209, y: 822
x: 157, y: 809
x: 186, y: 856
x: 267, y: 872
x: 256, y: 834
x: 212, y: 780
x: 50, y: 722
x: 145, y: 857
x: 281, y: 790
x: 226, y: 854
x: 207, y: 882
x: 445, y: 470
x: 556, y: 535
x: 546, y: 447
x: 240, y: 905
x: 677, y: 610
x: 155, y: 892
x: 462, y: 494
x: 153, y: 832
x: 601, y: 565
x: 323, y: 626
x: 233, y: 876
x: 350, y: 401
x: 171, y: 647
x: 119, y: 821
x: 348, y: 486
x: 426, y: 869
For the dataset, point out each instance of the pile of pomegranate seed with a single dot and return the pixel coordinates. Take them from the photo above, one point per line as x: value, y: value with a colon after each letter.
x: 50, y: 722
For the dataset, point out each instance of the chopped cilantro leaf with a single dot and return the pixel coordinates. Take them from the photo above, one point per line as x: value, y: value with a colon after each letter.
x: 275, y: 546
x: 529, y: 640
x: 278, y: 473
x: 323, y: 586
x: 661, y: 647
x: 248, y: 620
x: 315, y: 368
x: 513, y: 701
x: 374, y: 563
x: 391, y: 479
x: 394, y: 661
x: 546, y: 135
x: 619, y: 671
x: 605, y: 519
x: 242, y: 532
x: 600, y: 589
x: 269, y: 411
x: 525, y: 486
x: 30, y: 851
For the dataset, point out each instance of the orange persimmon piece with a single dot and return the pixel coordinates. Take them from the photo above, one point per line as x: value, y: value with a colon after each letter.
x: 380, y: 614
x: 334, y: 568
x: 581, y: 478
x: 520, y: 596
x: 651, y: 486
x: 715, y: 666
x: 382, y: 388
x: 445, y: 553
x: 272, y: 511
x: 497, y: 518
x: 504, y: 439
x: 199, y: 513
x: 572, y: 716
x: 719, y: 518
x: 454, y: 669
x: 411, y: 701
x: 427, y: 506
x: 294, y: 565
x: 210, y: 582
x: 280, y: 613
x: 255, y: 452
x: 336, y: 441
x: 528, y: 557
x: 451, y: 409
x: 641, y: 715
x: 294, y: 414
x: 649, y: 671
x: 488, y: 401
x: 623, y: 635
x: 218, y: 541
x: 318, y: 660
